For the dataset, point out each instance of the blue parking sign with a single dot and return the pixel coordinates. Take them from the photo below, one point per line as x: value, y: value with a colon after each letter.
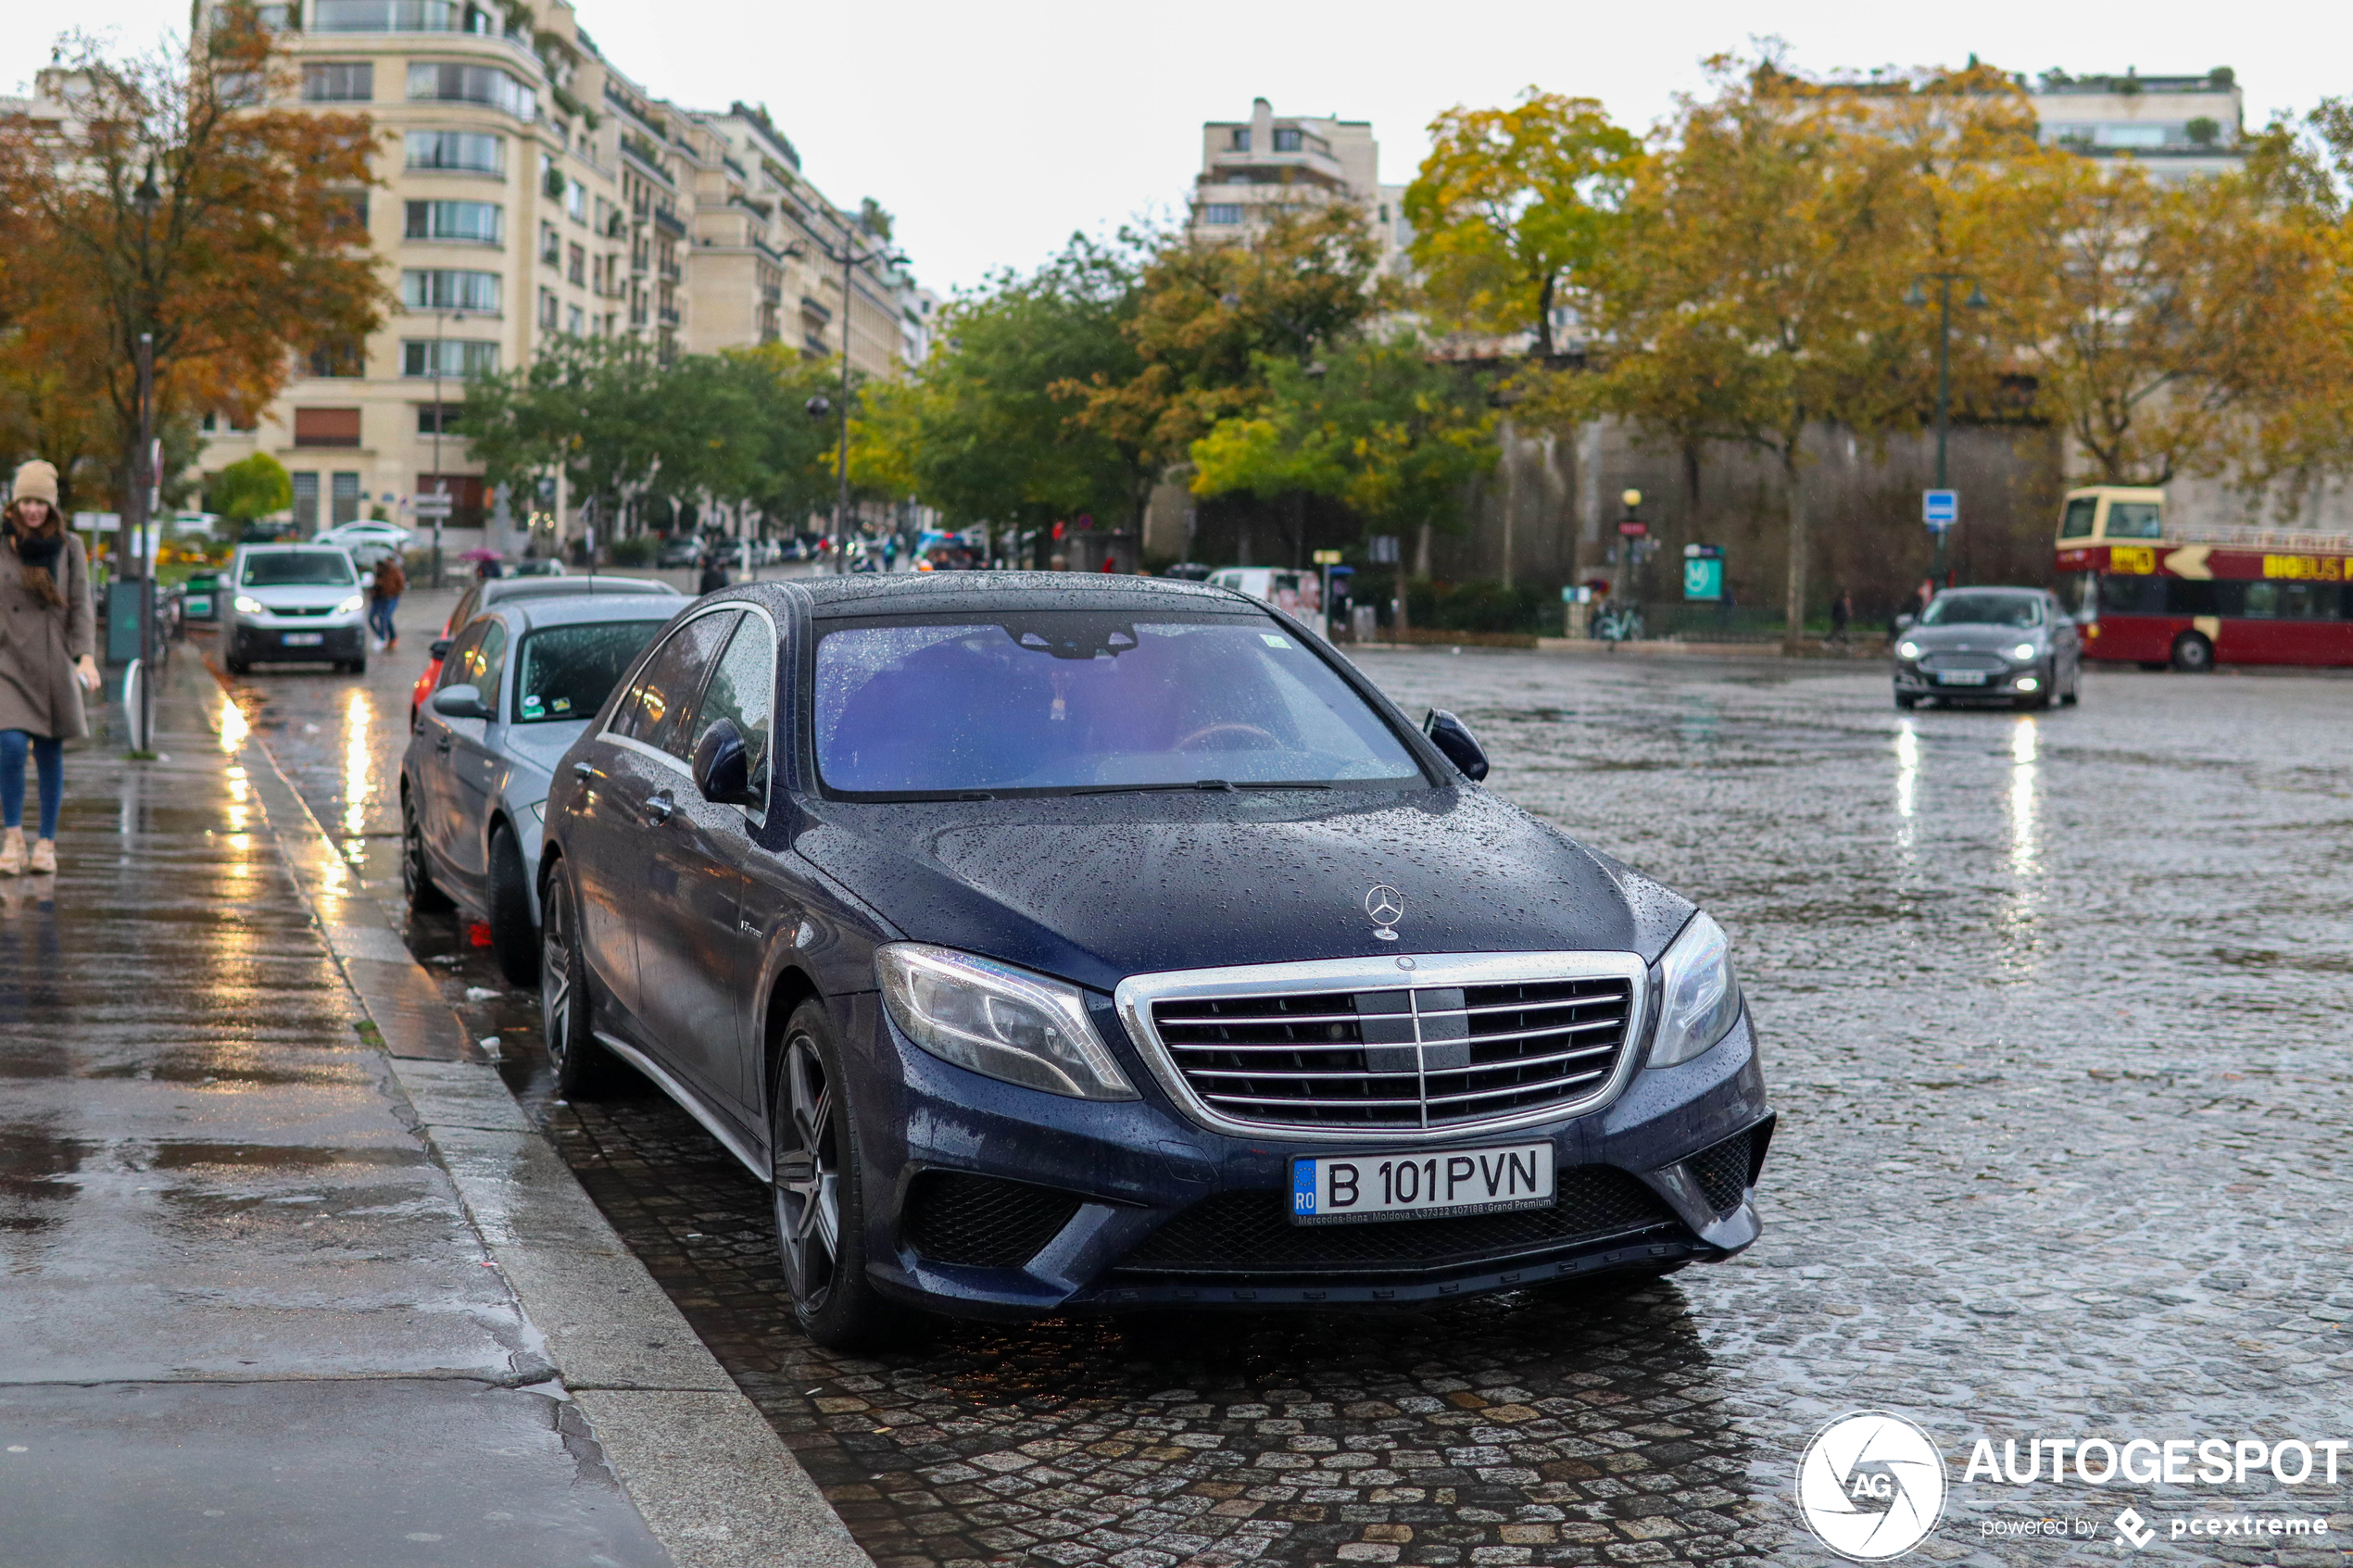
x: 1940, y: 508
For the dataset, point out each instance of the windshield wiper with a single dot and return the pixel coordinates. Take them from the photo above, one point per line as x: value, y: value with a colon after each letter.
x: 1223, y: 785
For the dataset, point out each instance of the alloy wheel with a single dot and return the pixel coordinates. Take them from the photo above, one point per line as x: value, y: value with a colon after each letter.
x: 556, y: 1019
x: 808, y: 1182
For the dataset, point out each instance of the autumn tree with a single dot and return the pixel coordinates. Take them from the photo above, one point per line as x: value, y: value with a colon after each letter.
x: 1376, y: 425
x: 1208, y: 317
x: 175, y: 200
x: 251, y: 487
x: 1756, y: 289
x: 1514, y: 209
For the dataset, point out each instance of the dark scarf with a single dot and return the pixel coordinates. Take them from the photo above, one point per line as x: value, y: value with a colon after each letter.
x: 39, y: 549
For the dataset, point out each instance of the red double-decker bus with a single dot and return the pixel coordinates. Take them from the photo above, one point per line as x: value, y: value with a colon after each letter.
x: 2154, y: 591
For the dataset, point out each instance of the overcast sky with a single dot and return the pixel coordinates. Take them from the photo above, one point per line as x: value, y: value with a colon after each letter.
x: 993, y: 130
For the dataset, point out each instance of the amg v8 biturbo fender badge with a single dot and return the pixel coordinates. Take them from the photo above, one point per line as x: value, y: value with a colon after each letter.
x: 1387, y: 906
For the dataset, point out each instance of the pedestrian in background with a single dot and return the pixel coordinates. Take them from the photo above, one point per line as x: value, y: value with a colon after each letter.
x: 714, y: 573
x: 48, y: 658
x: 384, y: 597
x: 1842, y: 611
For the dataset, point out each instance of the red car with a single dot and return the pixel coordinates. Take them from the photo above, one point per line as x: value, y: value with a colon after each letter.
x: 497, y: 590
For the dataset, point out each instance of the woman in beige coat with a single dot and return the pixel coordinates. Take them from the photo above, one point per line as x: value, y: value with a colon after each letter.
x: 48, y: 647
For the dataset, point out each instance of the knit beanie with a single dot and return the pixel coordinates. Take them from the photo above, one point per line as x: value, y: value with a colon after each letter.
x: 37, y: 481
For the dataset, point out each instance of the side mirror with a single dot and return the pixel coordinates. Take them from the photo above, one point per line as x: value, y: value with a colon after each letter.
x: 460, y: 702
x: 1904, y: 622
x: 440, y: 648
x: 1452, y: 737
x: 723, y: 766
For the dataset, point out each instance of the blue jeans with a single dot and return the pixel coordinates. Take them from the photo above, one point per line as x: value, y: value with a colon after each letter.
x: 379, y: 616
x: 50, y: 753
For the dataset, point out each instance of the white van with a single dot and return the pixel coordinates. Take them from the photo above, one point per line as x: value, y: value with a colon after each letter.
x: 1297, y: 593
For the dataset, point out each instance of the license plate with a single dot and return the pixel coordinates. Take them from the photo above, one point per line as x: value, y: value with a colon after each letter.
x: 1338, y: 1190
x: 1960, y: 677
x: 304, y: 639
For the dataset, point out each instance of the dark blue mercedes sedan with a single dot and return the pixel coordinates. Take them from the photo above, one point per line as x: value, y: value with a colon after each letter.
x: 1054, y: 944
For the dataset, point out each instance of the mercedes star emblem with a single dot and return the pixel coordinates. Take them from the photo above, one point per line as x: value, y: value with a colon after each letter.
x: 1387, y: 906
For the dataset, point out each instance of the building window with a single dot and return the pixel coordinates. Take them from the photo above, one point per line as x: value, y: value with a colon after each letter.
x: 341, y: 357
x: 1222, y: 213
x: 547, y: 309
x: 576, y: 200
x: 326, y: 427
x: 465, y: 493
x: 1285, y: 139
x: 430, y: 82
x: 1241, y: 142
x: 348, y: 215
x: 397, y: 16
x: 345, y: 495
x: 306, y: 499
x: 433, y: 418
x: 339, y: 81
x: 467, y: 152
x: 449, y: 357
x: 466, y: 222
x: 450, y: 288
x: 578, y: 270
x: 575, y: 321
x: 551, y: 246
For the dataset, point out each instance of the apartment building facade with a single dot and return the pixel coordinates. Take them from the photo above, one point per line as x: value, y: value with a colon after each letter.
x: 1251, y: 170
x: 2175, y: 127
x: 530, y: 191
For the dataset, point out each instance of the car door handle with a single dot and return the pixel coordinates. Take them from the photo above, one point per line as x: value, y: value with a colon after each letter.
x: 659, y: 806
x: 442, y: 745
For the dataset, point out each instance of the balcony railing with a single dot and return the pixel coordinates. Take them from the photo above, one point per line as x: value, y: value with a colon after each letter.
x: 815, y: 310
x: 667, y: 219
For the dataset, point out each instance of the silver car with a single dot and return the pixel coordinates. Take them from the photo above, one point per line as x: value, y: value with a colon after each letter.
x: 2012, y: 646
x: 295, y: 603
x: 520, y: 683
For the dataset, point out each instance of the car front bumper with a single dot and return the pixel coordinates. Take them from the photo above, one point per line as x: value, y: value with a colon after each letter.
x: 1128, y: 1174
x: 2000, y: 685
x: 339, y: 638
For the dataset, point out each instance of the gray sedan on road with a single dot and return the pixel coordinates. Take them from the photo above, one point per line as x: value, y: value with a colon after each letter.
x: 2012, y: 646
x: 520, y: 683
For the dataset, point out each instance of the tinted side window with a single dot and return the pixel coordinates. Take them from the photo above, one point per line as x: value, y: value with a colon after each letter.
x: 486, y: 664
x: 662, y: 697
x: 465, y: 610
x: 743, y: 689
x: 453, y: 668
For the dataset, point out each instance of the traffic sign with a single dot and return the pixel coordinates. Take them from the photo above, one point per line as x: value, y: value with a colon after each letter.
x: 1328, y: 558
x: 1704, y: 573
x: 431, y: 504
x: 1940, y: 508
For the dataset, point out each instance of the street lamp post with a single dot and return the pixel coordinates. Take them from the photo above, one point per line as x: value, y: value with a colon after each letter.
x: 846, y: 257
x: 145, y: 482
x: 1918, y: 294
x: 440, y: 414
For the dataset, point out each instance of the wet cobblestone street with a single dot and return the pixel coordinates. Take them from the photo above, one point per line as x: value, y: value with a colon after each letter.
x: 2054, y: 1012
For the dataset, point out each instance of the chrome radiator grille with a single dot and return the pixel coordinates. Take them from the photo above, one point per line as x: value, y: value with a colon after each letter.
x: 1396, y: 1058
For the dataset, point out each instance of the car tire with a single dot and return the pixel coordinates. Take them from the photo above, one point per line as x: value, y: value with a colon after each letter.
x: 819, y: 1194
x: 425, y: 895
x: 1907, y: 699
x: 2193, y: 654
x: 582, y: 1068
x: 235, y: 666
x: 514, y: 941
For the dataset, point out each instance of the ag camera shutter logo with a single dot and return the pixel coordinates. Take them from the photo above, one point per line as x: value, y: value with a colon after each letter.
x: 1871, y: 1485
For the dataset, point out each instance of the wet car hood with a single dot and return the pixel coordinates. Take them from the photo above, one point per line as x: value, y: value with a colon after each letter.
x: 301, y: 595
x: 1098, y: 888
x: 1972, y: 638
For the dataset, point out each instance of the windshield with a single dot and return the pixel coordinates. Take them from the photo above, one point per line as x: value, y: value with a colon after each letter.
x: 1984, y: 609
x: 297, y: 568
x: 567, y: 671
x: 1065, y: 700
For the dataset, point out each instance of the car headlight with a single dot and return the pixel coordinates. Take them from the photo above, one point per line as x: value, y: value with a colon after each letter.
x: 1908, y: 649
x: 997, y: 1020
x: 2025, y: 651
x: 248, y: 605
x: 1700, y: 1000
x: 351, y: 605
